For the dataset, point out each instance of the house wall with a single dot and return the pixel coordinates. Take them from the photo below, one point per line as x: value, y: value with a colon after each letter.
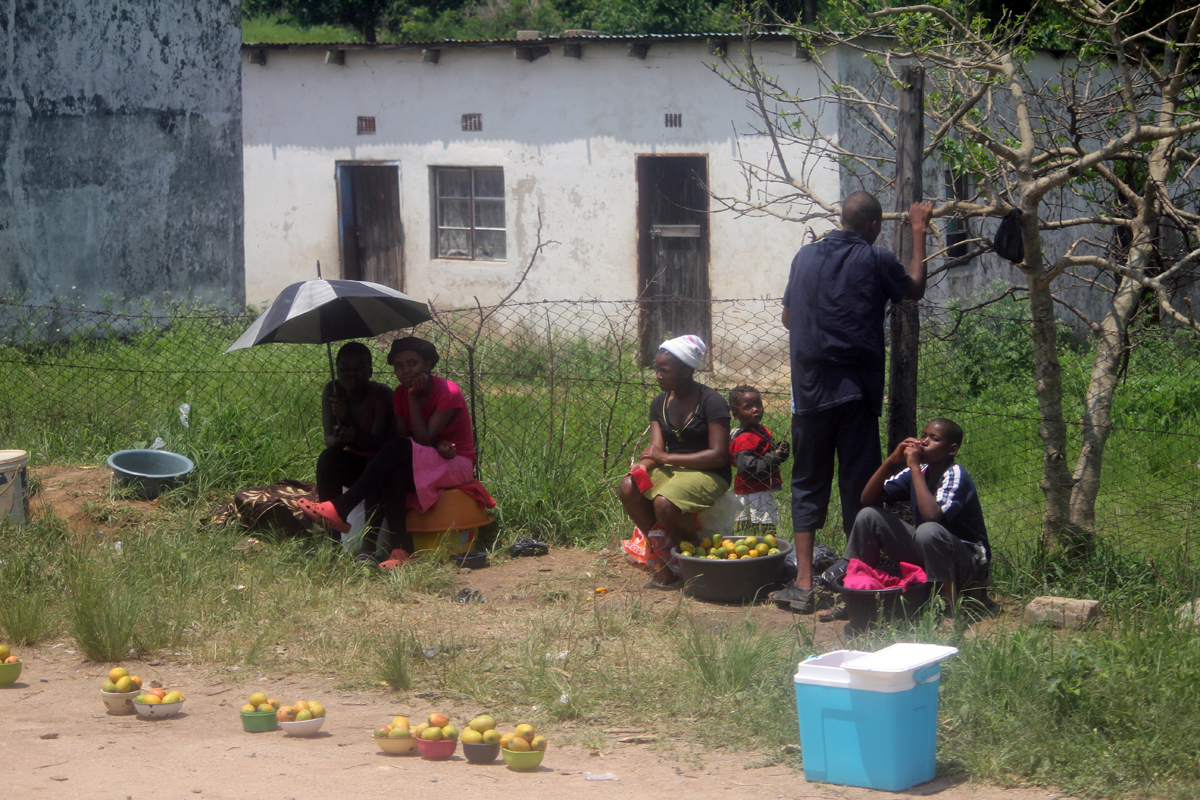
x: 566, y: 131
x: 986, y: 276
x: 120, y: 174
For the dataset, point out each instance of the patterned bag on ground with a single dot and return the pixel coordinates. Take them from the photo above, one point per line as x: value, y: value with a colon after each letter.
x: 272, y: 506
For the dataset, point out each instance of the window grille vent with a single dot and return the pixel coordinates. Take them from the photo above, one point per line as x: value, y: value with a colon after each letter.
x: 366, y: 126
x: 674, y: 120
x: 472, y: 122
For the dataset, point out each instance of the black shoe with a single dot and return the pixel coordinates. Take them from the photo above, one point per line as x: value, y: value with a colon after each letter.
x: 838, y: 612
x: 795, y: 599
x: 524, y: 546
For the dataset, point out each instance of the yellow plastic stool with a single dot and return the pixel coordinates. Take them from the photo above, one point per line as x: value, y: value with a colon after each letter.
x: 452, y: 523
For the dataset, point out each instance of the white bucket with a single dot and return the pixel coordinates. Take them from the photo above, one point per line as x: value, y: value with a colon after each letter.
x: 14, y: 485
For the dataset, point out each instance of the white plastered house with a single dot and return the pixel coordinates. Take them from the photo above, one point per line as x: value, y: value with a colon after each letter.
x: 436, y: 167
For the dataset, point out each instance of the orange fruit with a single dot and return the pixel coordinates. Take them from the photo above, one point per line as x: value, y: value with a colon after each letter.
x: 157, y: 692
x: 525, y: 731
x: 303, y: 716
x: 518, y: 745
x: 173, y: 697
x: 538, y: 743
x: 438, y: 720
x: 400, y: 722
x: 432, y: 734
x: 300, y: 705
x: 257, y: 699
x: 136, y: 681
x: 382, y: 733
x: 264, y: 708
x: 491, y: 736
x: 286, y: 714
x: 248, y: 709
x: 116, y: 673
x: 124, y: 684
x: 4, y: 652
x: 318, y: 710
x: 152, y: 700
x: 505, y: 739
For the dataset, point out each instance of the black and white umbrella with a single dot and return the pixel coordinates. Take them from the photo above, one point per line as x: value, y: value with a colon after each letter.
x: 324, y: 311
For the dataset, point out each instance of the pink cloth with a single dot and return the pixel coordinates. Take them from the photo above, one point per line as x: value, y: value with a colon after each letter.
x: 432, y: 474
x: 478, y: 493
x: 867, y: 578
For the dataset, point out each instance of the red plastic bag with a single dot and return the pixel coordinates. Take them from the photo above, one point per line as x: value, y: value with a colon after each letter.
x: 653, y: 550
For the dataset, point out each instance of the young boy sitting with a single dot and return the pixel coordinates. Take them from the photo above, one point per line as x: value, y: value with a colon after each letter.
x: 950, y: 540
x: 757, y: 461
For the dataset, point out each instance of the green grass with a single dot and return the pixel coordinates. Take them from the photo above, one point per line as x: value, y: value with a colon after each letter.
x: 1101, y: 713
x: 282, y: 29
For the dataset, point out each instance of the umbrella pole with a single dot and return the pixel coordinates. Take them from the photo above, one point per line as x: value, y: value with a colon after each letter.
x: 328, y: 346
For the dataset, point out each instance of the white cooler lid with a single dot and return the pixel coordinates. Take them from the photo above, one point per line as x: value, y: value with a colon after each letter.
x: 899, y: 658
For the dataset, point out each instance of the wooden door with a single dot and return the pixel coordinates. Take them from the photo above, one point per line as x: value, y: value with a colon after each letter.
x: 372, y: 240
x: 673, y: 250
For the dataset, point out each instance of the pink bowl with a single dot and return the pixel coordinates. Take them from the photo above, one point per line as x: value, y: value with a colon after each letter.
x: 436, y: 750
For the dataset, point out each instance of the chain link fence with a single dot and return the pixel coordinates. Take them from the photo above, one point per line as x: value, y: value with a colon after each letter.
x: 560, y: 391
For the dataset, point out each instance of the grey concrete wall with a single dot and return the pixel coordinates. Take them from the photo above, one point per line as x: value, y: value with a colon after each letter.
x: 121, y: 150
x: 1088, y: 290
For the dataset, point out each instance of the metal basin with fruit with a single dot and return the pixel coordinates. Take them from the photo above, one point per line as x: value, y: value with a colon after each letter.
x: 119, y: 702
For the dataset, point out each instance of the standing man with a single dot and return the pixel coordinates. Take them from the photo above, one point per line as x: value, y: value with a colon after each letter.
x: 833, y: 309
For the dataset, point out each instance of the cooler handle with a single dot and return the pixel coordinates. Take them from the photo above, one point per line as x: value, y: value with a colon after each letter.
x: 927, y: 673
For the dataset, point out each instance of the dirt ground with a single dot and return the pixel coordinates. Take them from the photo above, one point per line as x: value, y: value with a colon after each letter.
x: 58, y: 741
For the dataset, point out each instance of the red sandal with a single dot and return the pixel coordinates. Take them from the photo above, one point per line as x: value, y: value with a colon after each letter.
x: 323, y: 512
x: 398, y: 559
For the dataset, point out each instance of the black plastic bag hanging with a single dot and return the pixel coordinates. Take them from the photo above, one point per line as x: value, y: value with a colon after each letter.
x: 1008, y: 243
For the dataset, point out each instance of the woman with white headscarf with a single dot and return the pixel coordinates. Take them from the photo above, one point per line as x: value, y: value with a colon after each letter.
x: 685, y: 470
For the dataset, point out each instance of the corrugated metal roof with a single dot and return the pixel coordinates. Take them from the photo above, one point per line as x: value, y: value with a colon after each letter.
x: 544, y: 40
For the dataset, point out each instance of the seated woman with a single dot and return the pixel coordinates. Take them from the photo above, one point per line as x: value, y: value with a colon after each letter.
x: 434, y: 448
x: 685, y: 470
x: 357, y: 416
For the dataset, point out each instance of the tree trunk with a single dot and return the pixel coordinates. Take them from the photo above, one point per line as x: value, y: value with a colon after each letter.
x: 906, y: 319
x: 1097, y: 412
x: 1052, y: 428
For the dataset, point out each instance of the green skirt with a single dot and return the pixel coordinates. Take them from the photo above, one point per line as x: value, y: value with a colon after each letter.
x: 691, y: 490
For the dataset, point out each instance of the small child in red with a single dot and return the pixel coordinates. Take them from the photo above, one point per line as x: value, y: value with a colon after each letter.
x: 757, y: 460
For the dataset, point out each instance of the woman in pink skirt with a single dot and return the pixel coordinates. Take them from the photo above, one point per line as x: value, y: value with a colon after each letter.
x: 434, y: 449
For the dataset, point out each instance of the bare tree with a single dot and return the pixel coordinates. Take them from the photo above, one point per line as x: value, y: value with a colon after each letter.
x: 1097, y: 159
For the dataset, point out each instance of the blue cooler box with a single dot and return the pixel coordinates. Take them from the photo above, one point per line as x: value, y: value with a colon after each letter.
x: 870, y: 719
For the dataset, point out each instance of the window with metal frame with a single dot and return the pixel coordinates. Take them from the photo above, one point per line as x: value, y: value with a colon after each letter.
x: 469, y: 213
x: 958, y: 187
